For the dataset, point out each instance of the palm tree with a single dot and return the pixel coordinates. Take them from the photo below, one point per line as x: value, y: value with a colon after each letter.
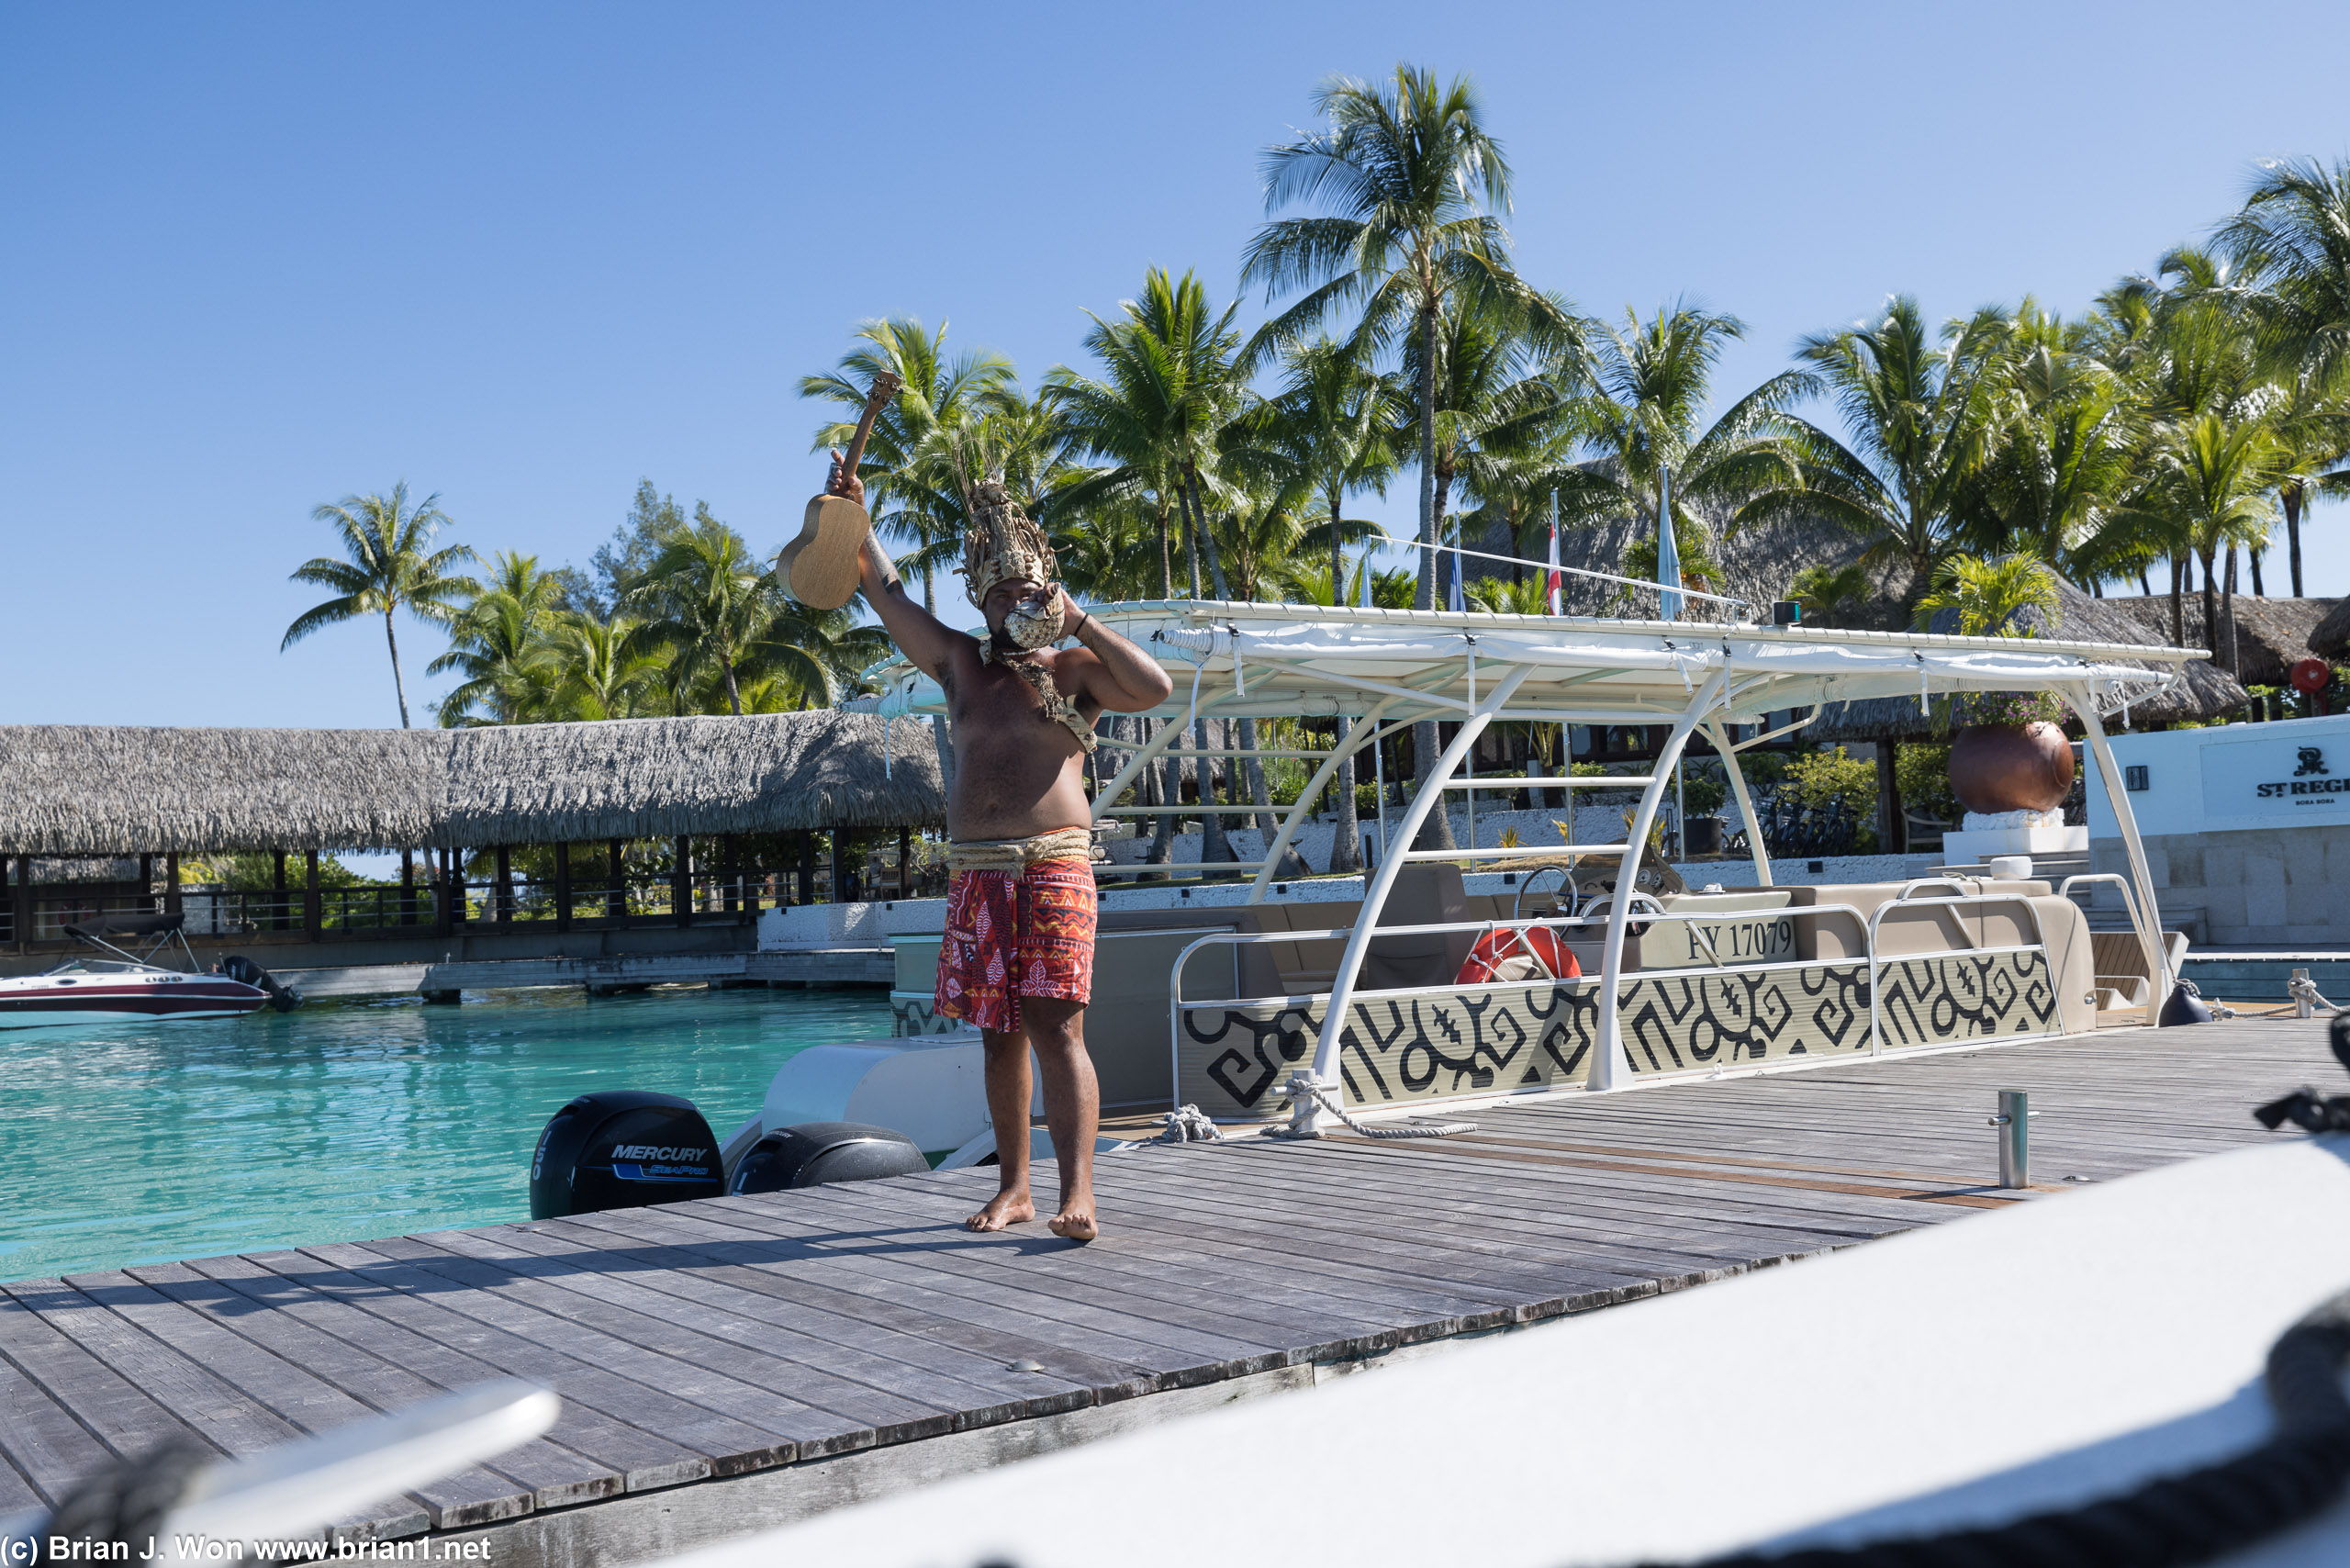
x: 1496, y: 402
x: 1416, y: 183
x: 709, y: 599
x: 1651, y: 381
x: 1173, y: 382
x: 1332, y: 420
x: 1988, y: 594
x: 600, y: 668
x: 389, y: 564
x: 2213, y: 479
x: 2196, y: 372
x: 817, y: 655
x: 2281, y: 270
x: 1825, y: 592
x: 496, y: 642
x: 1919, y: 417
x: 2312, y: 427
x: 2061, y: 451
x: 1160, y: 416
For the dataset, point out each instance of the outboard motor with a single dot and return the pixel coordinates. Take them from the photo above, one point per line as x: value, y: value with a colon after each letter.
x: 812, y: 1153
x: 622, y: 1148
x: 283, y: 997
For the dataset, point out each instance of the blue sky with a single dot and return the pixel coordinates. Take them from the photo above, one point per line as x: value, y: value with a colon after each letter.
x: 256, y: 257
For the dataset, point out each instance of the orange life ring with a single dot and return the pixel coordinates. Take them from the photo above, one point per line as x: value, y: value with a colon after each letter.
x: 1533, y: 947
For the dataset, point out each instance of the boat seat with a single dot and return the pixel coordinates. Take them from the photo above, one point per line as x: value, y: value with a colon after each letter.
x: 1303, y: 968
x: 1922, y: 928
x: 1426, y: 893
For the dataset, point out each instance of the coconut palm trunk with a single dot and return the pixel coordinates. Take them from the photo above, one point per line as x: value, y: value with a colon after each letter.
x: 2291, y: 493
x: 399, y: 686
x: 2209, y: 555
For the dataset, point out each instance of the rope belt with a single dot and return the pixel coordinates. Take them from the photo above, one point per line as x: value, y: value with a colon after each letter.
x: 1018, y: 854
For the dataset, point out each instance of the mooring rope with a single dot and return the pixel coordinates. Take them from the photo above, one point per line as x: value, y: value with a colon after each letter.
x: 1304, y: 1089
x: 1190, y: 1124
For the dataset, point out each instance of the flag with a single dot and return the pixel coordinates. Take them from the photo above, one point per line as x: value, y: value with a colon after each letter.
x: 1459, y: 604
x: 1558, y: 578
x: 1667, y: 550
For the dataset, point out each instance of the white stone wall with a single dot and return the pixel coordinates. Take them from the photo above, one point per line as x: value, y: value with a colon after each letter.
x: 2272, y: 887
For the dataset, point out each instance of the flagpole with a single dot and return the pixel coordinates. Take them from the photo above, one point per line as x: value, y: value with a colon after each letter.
x: 1555, y: 576
x: 1667, y: 550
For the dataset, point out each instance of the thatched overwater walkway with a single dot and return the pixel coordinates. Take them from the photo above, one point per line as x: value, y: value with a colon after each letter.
x: 733, y: 1365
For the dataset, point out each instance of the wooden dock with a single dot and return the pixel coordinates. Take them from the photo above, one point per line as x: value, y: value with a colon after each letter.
x: 738, y: 1363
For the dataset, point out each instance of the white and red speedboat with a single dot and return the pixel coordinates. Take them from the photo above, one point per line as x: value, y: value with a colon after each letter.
x: 126, y: 988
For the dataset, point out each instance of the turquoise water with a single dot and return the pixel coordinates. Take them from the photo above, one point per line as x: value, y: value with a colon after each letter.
x: 142, y: 1143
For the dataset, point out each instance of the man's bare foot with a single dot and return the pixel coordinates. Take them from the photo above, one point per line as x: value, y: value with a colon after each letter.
x: 1076, y: 1220
x: 1004, y: 1209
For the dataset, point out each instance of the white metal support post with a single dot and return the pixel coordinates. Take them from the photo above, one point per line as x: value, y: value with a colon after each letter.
x: 1608, y: 1066
x: 1754, y: 845
x: 1365, y: 733
x: 2149, y: 918
x: 1430, y: 797
x: 1150, y: 751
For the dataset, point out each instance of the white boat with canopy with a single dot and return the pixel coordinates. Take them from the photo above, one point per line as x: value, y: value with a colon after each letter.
x: 1279, y: 1005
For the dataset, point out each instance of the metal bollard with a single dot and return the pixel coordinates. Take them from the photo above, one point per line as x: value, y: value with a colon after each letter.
x: 2299, y: 989
x: 2014, y: 1122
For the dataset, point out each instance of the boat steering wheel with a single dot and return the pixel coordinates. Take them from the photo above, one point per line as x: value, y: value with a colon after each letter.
x: 1600, y: 906
x: 1567, y: 902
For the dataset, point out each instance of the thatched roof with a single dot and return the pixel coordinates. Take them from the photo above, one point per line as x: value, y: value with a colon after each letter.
x: 108, y: 790
x: 2271, y: 634
x: 2331, y: 633
x: 2202, y: 691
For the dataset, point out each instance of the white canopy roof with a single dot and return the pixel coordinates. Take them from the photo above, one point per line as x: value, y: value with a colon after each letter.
x: 1283, y: 659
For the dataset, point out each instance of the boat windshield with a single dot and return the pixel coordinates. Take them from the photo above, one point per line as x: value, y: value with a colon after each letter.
x: 98, y: 967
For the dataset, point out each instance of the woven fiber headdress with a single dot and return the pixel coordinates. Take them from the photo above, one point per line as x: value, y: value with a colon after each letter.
x: 1002, y: 542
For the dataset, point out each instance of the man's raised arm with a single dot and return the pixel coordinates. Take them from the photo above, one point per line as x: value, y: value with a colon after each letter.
x: 1123, y: 678
x: 920, y: 635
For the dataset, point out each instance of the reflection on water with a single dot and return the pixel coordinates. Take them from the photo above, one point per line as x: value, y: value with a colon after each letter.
x: 138, y: 1143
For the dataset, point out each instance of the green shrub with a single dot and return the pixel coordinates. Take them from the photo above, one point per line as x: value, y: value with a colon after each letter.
x: 1922, y: 775
x: 1817, y: 778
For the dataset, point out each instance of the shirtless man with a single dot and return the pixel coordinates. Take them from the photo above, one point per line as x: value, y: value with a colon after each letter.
x: 1017, y: 959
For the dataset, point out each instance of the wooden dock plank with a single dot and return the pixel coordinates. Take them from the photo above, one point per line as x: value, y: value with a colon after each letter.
x: 290, y: 1391
x: 879, y: 1357
x: 213, y: 1410
x: 438, y: 1339
x: 700, y: 1409
x: 701, y: 1250
x: 45, y: 1449
x: 555, y: 1476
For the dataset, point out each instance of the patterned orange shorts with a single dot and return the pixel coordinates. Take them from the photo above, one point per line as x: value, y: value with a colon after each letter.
x: 1016, y: 934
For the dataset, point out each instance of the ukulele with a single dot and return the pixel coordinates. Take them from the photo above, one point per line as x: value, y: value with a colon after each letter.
x: 819, y: 567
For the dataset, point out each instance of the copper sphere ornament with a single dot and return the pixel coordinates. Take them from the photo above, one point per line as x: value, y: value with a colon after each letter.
x: 2011, y: 768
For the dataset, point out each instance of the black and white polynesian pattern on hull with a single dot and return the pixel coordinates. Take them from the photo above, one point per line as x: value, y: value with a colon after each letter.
x: 1234, y: 1059
x: 1690, y: 1019
x: 1467, y: 1042
x: 1964, y: 996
